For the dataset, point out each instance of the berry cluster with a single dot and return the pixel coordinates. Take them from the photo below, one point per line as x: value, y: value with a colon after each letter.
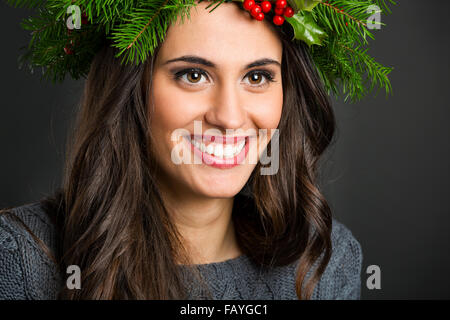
x: 257, y: 11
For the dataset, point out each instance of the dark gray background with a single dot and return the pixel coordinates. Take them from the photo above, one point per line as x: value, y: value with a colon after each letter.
x: 387, y: 177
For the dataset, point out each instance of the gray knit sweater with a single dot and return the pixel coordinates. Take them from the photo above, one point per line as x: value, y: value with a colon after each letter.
x: 27, y: 273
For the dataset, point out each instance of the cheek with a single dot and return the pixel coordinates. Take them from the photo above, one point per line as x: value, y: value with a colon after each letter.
x: 172, y: 108
x: 265, y: 110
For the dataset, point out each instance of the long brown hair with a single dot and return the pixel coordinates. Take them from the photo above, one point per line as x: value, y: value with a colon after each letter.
x: 109, y: 211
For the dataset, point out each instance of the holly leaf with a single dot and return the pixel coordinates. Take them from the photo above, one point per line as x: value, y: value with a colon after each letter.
x: 306, y: 5
x: 306, y: 29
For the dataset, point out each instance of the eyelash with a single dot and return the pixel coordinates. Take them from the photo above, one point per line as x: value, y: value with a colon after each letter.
x: 268, y: 75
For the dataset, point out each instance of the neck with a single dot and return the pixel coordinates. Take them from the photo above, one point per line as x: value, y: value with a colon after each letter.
x: 205, y: 225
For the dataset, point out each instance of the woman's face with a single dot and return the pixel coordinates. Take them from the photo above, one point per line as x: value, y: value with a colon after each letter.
x: 222, y: 92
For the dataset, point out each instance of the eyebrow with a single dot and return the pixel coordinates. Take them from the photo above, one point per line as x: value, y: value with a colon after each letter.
x: 205, y: 62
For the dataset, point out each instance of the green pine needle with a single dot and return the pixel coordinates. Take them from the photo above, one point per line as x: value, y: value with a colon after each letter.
x: 343, y: 61
x: 145, y: 27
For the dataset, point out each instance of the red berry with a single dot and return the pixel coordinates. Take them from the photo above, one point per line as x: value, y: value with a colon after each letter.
x: 255, y: 10
x: 259, y: 16
x: 84, y: 18
x: 288, y: 12
x: 281, y: 3
x: 278, y: 20
x: 68, y: 50
x: 248, y: 4
x: 266, y: 6
x: 279, y: 11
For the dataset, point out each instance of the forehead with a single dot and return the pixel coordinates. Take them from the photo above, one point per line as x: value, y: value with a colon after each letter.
x: 226, y: 34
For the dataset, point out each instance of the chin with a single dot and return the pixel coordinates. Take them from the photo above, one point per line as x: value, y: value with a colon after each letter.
x: 218, y: 183
x: 220, y: 190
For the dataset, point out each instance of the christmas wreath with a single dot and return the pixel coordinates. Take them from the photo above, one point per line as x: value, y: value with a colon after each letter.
x: 66, y: 34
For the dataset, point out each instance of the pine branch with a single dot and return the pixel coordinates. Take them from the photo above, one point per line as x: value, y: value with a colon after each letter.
x: 346, y: 18
x: 144, y: 28
x: 108, y: 12
x: 151, y: 19
x: 50, y: 37
x: 383, y: 5
x: 217, y: 3
x: 377, y: 74
x: 342, y: 12
x: 340, y: 62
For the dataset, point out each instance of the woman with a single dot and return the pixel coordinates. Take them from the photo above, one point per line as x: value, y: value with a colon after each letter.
x: 139, y: 224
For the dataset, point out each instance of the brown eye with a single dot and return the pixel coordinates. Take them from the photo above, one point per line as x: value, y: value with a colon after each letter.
x: 194, y: 76
x: 255, y: 78
x: 259, y: 78
x: 190, y: 76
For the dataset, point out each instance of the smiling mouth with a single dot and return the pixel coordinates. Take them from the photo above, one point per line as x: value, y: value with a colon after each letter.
x: 219, y: 151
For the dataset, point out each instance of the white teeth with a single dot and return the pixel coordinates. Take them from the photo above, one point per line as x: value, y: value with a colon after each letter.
x: 210, y: 149
x: 228, y: 151
x: 219, y: 150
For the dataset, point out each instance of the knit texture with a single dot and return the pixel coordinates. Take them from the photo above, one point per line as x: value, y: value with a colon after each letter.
x: 27, y: 273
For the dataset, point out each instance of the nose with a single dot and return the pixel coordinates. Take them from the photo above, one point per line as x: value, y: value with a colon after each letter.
x: 227, y: 110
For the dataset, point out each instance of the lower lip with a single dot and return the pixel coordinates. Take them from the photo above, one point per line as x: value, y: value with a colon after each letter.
x: 221, y: 163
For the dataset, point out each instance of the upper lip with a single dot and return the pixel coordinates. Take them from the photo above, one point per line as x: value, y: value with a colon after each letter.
x: 218, y: 139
